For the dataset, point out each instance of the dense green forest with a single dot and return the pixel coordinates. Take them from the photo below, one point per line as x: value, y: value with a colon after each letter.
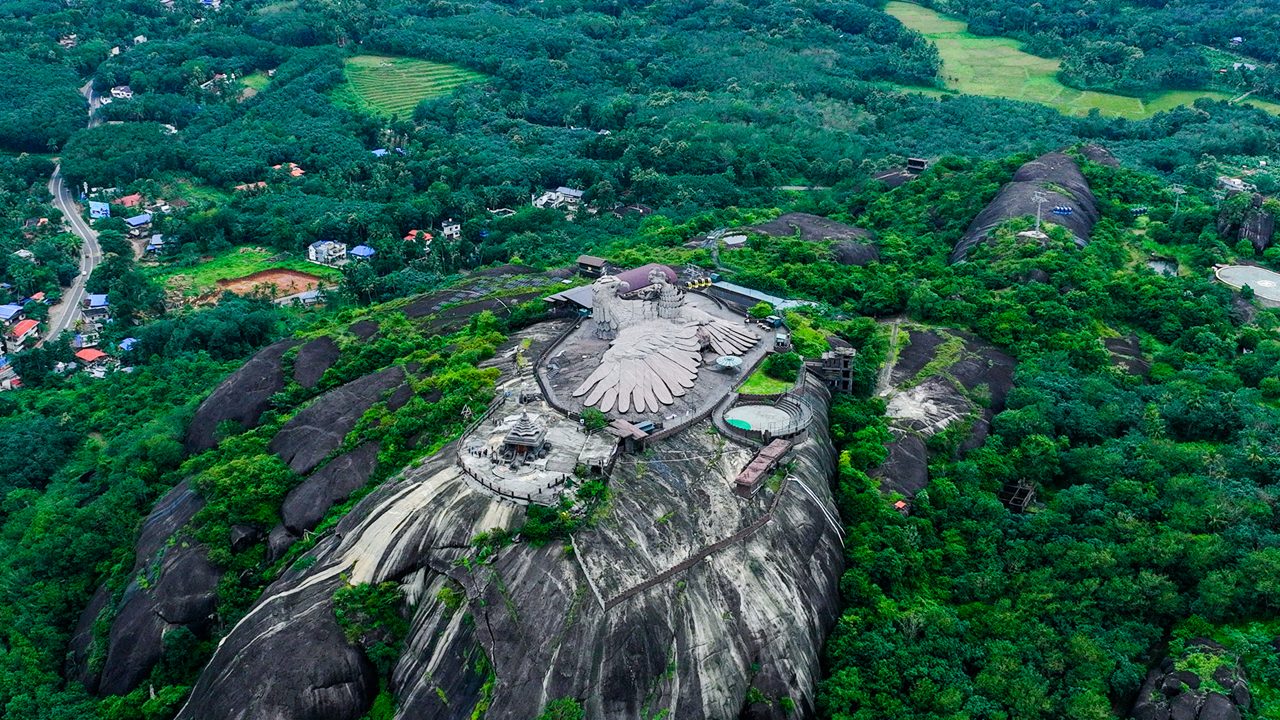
x: 1158, y: 518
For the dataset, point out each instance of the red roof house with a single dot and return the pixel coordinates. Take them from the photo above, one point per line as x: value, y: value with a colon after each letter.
x: 133, y: 200
x: 23, y: 327
x: 419, y: 235
x: 88, y: 356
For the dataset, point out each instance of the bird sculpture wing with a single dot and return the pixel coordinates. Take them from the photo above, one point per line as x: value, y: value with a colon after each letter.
x: 725, y: 338
x: 647, y: 366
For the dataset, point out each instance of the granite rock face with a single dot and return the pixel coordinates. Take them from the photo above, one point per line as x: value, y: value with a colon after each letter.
x: 939, y: 377
x: 319, y: 428
x: 179, y: 590
x: 1059, y: 178
x: 314, y: 358
x: 242, y: 397
x: 681, y: 598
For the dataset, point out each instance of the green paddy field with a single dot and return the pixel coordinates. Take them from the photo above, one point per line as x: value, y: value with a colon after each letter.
x: 997, y: 67
x: 395, y: 85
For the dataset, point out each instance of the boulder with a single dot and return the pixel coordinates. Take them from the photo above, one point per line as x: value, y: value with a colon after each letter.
x: 319, y: 428
x: 241, y: 398
x: 243, y: 537
x: 1100, y: 155
x: 1186, y: 677
x: 1219, y: 707
x: 184, y: 594
x: 314, y: 358
x: 305, y: 505
x: 180, y: 590
x: 279, y: 540
x: 1184, y: 707
x: 363, y: 329
x: 853, y: 253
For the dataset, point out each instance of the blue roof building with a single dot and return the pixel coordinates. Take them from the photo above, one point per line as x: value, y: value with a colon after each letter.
x: 362, y: 251
x: 138, y: 220
x: 94, y: 302
x: 127, y: 344
x: 99, y: 209
x: 379, y: 152
x: 9, y: 312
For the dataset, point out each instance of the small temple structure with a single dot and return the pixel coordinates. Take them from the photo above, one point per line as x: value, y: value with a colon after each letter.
x: 527, y: 438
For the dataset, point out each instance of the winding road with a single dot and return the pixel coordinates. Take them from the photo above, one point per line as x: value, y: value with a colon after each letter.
x: 63, y: 315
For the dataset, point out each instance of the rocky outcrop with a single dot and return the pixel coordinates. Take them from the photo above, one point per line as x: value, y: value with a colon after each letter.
x: 939, y: 377
x: 173, y: 586
x: 1100, y: 155
x: 1174, y: 691
x: 813, y: 228
x: 1126, y: 353
x: 681, y: 598
x: 319, y: 428
x: 307, y: 504
x: 314, y: 358
x: 852, y: 253
x: 241, y: 398
x: 1055, y: 175
x: 1257, y: 225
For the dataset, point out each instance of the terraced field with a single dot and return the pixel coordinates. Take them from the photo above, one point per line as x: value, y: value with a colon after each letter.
x: 395, y: 85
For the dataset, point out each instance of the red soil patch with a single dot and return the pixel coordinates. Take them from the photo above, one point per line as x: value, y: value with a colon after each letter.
x: 278, y: 282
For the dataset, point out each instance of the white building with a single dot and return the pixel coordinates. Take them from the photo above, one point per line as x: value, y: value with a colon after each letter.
x: 451, y: 229
x: 566, y: 198
x: 326, y: 252
x: 122, y: 92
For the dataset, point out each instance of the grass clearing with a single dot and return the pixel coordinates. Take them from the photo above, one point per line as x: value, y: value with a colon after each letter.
x: 997, y: 67
x: 761, y: 384
x: 203, y: 277
x: 395, y: 85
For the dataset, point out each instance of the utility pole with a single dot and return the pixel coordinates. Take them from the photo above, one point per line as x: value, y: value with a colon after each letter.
x: 1040, y: 199
x: 1178, y: 191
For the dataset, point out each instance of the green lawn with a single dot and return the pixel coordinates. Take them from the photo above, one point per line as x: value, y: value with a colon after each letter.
x: 395, y: 85
x: 255, y: 81
x: 233, y: 263
x: 761, y: 384
x: 997, y: 67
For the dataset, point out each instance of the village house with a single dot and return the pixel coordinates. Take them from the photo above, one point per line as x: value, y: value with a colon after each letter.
x: 24, y: 332
x: 139, y: 39
x: 96, y: 306
x: 155, y: 246
x: 291, y: 168
x: 451, y: 229
x: 591, y: 266
x: 362, y: 252
x: 7, y: 373
x: 131, y: 201
x: 326, y: 252
x: 562, y: 198
x: 99, y: 210
x: 420, y: 236
x: 250, y: 186
x: 138, y: 224
x: 122, y: 92
x: 67, y: 41
x: 10, y: 314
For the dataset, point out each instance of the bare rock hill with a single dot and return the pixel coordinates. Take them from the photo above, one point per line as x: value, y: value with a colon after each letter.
x: 681, y: 598
x: 1059, y: 178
